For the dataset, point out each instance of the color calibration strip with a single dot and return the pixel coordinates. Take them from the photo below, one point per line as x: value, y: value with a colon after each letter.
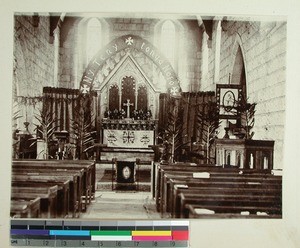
x: 64, y: 233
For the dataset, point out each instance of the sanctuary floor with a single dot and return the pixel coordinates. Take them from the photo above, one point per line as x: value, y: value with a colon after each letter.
x: 122, y: 205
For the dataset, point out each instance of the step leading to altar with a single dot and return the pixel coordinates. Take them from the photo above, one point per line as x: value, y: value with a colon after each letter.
x: 106, y: 177
x: 145, y: 155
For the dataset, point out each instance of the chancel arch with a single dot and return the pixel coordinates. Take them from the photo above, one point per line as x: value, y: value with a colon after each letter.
x: 124, y: 44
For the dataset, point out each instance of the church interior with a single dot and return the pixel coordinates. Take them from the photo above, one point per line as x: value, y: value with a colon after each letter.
x: 147, y: 116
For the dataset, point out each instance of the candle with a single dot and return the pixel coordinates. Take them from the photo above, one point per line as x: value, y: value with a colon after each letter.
x: 227, y: 123
x: 251, y: 161
x: 265, y: 163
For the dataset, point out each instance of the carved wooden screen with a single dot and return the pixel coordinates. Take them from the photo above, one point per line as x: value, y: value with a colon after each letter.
x: 128, y: 93
x: 142, y: 99
x: 114, y: 100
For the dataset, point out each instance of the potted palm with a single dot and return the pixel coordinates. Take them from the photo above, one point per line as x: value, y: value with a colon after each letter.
x: 44, y: 133
x: 172, y: 134
x: 82, y: 129
x: 246, y: 120
x: 208, y: 123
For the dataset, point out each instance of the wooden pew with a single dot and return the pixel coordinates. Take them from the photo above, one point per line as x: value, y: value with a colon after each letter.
x: 232, y: 181
x: 56, y: 179
x: 269, y: 181
x: 88, y: 166
x: 48, y: 196
x: 197, y: 211
x: 63, y: 193
x: 212, y: 169
x: 25, y: 208
x: 195, y: 189
x: 40, y: 171
x: 231, y: 203
x: 89, y: 182
x: 219, y: 177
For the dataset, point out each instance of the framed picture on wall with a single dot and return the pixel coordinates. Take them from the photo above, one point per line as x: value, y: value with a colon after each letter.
x: 228, y: 96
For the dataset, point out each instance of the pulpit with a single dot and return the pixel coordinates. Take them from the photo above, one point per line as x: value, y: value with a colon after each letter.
x: 244, y: 153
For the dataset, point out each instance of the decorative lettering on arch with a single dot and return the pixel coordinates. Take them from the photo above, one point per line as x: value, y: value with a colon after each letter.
x: 130, y: 41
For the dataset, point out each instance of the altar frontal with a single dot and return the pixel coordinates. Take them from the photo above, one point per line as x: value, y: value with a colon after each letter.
x: 128, y: 138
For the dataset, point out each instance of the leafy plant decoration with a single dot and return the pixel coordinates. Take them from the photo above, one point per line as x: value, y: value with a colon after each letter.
x: 246, y: 112
x: 45, y: 130
x: 208, y: 123
x: 82, y: 128
x: 171, y: 135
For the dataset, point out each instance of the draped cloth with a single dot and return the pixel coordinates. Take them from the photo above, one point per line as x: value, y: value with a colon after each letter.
x: 192, y: 103
x: 61, y: 103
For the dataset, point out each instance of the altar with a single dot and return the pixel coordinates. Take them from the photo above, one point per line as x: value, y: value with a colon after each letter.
x: 127, y: 139
x: 128, y: 133
x: 129, y: 124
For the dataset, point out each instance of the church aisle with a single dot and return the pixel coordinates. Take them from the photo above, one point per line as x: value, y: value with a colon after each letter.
x: 122, y: 205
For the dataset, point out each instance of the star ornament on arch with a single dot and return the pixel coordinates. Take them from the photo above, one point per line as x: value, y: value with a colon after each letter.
x: 129, y: 41
x: 85, y: 89
x: 174, y: 90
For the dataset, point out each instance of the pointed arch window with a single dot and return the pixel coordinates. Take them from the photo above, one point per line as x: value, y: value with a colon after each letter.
x: 168, y: 41
x: 93, y: 38
x: 238, y: 72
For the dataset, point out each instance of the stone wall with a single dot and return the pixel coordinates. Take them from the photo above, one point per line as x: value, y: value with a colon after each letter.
x: 134, y: 26
x: 192, y: 43
x: 69, y: 50
x: 33, y: 63
x: 263, y: 45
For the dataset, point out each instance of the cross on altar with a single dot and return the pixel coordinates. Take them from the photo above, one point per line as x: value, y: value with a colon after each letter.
x: 128, y: 104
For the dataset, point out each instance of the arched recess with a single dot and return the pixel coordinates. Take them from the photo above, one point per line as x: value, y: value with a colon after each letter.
x: 93, y: 37
x: 114, y: 100
x: 179, y: 55
x: 127, y: 42
x: 238, y: 65
x: 80, y: 51
x: 142, y: 97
